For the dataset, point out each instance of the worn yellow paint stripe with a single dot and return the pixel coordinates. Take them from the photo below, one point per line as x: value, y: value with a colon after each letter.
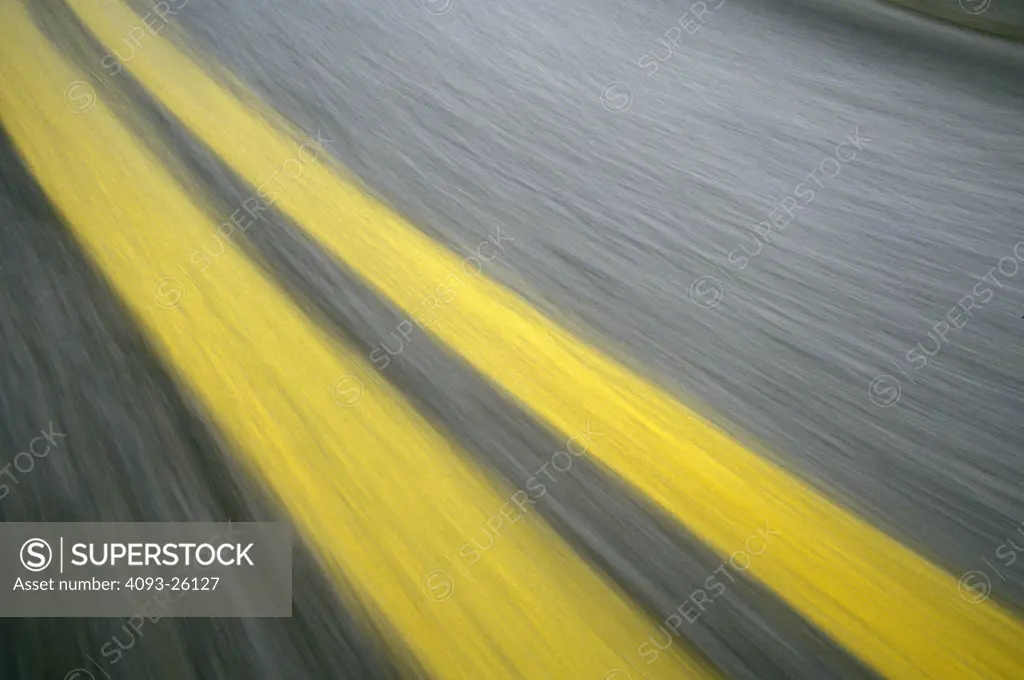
x: 382, y: 496
x: 894, y: 609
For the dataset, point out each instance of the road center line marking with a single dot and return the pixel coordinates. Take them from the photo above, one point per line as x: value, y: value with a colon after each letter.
x: 895, y: 610
x: 379, y: 493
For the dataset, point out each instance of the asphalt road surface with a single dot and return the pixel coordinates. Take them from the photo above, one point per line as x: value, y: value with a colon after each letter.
x: 536, y: 320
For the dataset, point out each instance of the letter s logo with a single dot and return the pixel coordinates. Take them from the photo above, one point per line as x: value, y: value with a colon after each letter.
x: 36, y: 554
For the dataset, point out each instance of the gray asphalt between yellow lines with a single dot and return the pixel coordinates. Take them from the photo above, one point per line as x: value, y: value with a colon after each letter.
x: 491, y: 115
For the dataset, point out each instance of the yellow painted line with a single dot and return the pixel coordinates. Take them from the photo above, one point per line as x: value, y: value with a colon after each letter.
x: 380, y: 494
x: 894, y: 609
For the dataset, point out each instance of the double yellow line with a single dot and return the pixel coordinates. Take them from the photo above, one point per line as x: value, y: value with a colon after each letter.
x: 380, y: 494
x: 397, y: 494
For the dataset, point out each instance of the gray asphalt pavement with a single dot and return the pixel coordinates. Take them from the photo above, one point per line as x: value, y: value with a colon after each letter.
x: 806, y: 219
x: 496, y: 113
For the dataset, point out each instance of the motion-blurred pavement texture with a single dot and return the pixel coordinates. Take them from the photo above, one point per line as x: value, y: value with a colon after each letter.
x: 606, y: 340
